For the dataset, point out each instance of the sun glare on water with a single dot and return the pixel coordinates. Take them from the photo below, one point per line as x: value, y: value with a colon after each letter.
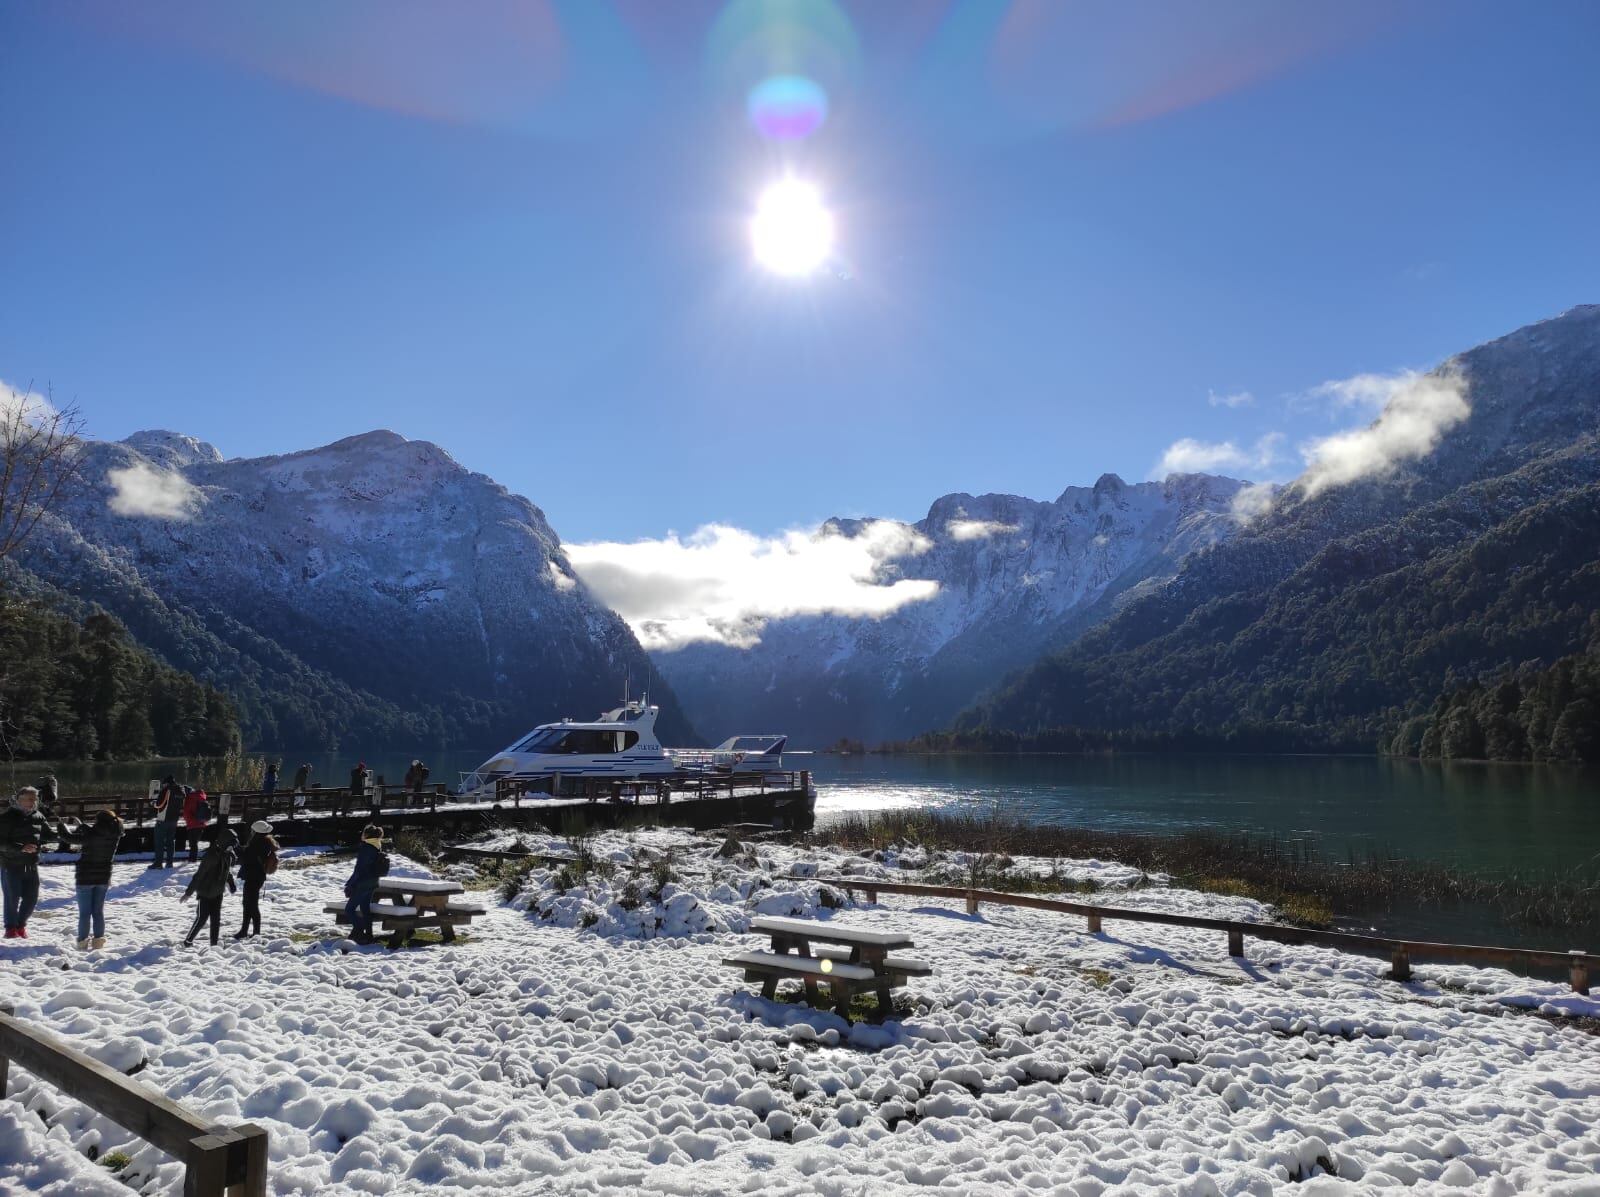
x: 791, y: 232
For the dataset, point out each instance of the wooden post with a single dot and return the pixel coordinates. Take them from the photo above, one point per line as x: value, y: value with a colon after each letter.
x: 1235, y: 942
x: 1400, y: 964
x: 205, y: 1172
x: 247, y: 1167
x: 872, y: 895
x: 1580, y: 979
x: 7, y: 1009
x: 1094, y: 923
x: 972, y: 902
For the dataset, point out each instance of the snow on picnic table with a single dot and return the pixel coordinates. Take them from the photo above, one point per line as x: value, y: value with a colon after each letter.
x: 570, y: 1045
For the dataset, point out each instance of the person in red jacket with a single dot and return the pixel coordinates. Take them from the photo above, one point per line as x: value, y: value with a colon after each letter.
x: 196, y: 815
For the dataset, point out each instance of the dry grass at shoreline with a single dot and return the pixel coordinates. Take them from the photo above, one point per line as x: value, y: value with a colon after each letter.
x: 1306, y: 887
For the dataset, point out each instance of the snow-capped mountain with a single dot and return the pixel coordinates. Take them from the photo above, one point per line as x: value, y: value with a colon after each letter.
x: 1346, y: 610
x: 369, y: 589
x: 1015, y: 577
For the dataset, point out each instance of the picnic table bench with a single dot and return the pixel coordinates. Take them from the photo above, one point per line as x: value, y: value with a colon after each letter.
x: 862, y: 962
x: 417, y: 903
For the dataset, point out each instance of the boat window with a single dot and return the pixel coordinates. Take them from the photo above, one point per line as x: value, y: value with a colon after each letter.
x: 542, y: 740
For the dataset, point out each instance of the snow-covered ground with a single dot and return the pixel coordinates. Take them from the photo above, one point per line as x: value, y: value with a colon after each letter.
x: 569, y: 1044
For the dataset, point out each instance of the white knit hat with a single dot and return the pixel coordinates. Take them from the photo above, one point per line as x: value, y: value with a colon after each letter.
x: 261, y: 827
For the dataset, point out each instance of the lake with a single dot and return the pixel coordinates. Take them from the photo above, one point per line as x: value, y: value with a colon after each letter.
x: 1484, y: 817
x: 1490, y: 819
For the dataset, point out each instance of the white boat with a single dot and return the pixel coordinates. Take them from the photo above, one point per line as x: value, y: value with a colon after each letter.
x: 620, y: 745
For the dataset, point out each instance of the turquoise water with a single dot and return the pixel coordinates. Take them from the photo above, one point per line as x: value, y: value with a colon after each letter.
x: 1494, y: 818
x: 1490, y: 819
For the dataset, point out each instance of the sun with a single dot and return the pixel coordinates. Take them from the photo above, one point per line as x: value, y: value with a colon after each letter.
x: 791, y: 232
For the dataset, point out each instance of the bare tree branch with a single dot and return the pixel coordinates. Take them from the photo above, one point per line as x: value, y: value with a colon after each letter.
x: 41, y: 454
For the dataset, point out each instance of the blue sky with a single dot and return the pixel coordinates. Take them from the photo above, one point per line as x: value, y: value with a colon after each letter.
x: 520, y: 231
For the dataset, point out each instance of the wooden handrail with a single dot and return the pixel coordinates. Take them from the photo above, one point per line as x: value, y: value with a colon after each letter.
x: 217, y: 1160
x: 1399, y: 951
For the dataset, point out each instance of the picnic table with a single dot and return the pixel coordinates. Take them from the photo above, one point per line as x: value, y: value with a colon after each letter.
x: 864, y: 960
x: 416, y: 903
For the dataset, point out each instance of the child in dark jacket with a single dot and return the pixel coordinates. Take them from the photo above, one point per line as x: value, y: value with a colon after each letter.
x: 214, y: 874
x: 372, y: 864
x: 92, y: 873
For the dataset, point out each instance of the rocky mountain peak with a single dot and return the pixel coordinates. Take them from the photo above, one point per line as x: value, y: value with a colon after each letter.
x: 172, y: 450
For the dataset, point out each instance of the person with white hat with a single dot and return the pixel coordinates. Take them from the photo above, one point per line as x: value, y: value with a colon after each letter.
x: 257, y: 860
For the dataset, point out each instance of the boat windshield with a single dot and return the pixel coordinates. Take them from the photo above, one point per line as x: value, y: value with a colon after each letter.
x: 542, y: 740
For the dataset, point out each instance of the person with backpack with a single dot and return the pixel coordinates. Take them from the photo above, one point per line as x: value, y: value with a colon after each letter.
x: 206, y: 886
x: 258, y: 860
x: 372, y: 865
x: 49, y: 794
x: 196, y: 817
x: 92, y: 875
x: 164, y: 833
x: 302, y: 778
x: 269, y: 783
x: 22, y: 831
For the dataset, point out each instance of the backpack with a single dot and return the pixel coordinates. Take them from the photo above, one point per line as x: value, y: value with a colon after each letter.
x: 202, y: 810
x: 269, y: 863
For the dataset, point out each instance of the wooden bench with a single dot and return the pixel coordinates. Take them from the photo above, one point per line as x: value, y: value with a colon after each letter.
x: 416, y: 904
x: 769, y: 967
x: 862, y: 952
x: 899, y: 968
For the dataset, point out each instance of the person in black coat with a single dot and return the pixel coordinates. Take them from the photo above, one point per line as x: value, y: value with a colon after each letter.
x: 372, y: 865
x: 258, y: 852
x: 97, y: 848
x: 213, y: 876
x: 22, y: 831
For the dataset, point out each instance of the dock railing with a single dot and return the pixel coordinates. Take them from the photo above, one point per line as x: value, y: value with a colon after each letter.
x: 218, y: 1161
x: 247, y: 805
x: 1400, y: 951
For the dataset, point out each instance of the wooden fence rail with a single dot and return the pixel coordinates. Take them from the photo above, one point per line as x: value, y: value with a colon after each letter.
x: 218, y: 1161
x: 1400, y: 951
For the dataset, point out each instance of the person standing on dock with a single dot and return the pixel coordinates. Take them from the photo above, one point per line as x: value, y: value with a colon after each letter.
x: 358, y: 785
x: 169, y: 805
x: 49, y: 794
x: 372, y: 865
x: 269, y: 783
x: 207, y: 884
x: 302, y: 778
x: 257, y: 859
x: 22, y: 830
x: 196, y: 817
x: 92, y: 875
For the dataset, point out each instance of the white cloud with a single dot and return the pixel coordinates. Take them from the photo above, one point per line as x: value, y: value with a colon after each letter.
x: 1236, y: 399
x: 562, y: 579
x: 1417, y: 409
x: 1190, y: 456
x: 977, y: 529
x: 1253, y: 501
x: 21, y: 407
x: 723, y: 583
x: 143, y: 490
x: 1371, y: 391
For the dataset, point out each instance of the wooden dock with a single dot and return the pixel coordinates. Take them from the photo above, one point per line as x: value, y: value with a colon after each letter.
x: 320, y: 816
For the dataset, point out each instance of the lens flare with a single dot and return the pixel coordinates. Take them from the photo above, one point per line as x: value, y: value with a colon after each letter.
x: 791, y: 232
x: 787, y: 107
x: 827, y: 965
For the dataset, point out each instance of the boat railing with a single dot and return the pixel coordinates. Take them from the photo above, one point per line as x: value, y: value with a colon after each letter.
x: 651, y: 790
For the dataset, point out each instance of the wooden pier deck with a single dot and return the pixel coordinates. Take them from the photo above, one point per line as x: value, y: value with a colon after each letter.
x: 778, y: 800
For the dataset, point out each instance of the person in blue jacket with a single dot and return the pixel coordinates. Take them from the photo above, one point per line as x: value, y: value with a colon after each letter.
x: 372, y: 864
